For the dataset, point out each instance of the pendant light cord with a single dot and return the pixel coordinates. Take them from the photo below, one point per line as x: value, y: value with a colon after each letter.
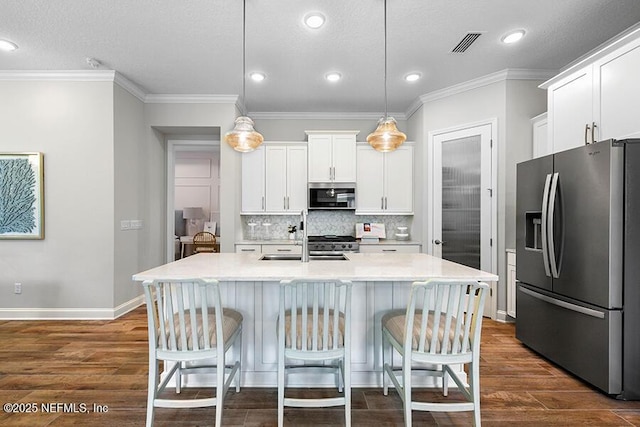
x: 385, y: 60
x: 244, y: 59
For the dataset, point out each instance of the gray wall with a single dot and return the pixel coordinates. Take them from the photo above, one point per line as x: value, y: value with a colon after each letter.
x: 73, y: 267
x: 129, y: 169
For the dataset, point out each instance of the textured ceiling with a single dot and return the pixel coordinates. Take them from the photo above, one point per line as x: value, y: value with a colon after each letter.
x: 195, y: 47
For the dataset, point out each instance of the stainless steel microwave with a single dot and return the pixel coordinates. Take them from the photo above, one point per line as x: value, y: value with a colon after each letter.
x: 329, y: 195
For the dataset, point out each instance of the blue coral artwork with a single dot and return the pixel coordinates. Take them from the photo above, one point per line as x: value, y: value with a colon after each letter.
x: 21, y: 196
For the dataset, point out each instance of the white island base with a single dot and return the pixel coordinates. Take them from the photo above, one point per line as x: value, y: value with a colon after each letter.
x: 381, y: 282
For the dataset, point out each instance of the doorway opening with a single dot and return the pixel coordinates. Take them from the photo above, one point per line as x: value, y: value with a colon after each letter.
x: 193, y: 185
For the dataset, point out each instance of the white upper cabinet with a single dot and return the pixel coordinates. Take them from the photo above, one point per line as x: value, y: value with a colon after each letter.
x: 253, y: 179
x: 540, y: 136
x: 596, y: 99
x: 618, y: 92
x: 278, y: 184
x: 332, y: 156
x: 570, y: 104
x: 384, y: 183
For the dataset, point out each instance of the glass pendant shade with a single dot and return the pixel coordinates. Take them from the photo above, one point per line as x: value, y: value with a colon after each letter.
x: 386, y: 137
x: 243, y: 137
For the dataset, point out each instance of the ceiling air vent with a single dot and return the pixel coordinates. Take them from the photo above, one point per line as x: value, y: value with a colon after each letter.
x: 466, y: 42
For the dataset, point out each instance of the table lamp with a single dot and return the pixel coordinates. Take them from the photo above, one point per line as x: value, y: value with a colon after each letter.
x: 192, y: 215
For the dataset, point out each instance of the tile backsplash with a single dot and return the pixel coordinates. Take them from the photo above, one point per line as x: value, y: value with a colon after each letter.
x: 319, y: 223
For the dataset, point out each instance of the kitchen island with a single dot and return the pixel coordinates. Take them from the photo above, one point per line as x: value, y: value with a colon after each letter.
x: 380, y: 282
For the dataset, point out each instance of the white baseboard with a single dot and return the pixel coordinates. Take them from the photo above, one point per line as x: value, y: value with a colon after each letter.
x: 126, y: 307
x: 70, y: 313
x: 502, y: 316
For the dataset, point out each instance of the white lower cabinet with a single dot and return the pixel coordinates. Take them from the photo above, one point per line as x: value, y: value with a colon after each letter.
x: 511, y: 284
x: 268, y: 249
x: 282, y: 249
x: 258, y: 301
x: 386, y: 248
x: 249, y: 248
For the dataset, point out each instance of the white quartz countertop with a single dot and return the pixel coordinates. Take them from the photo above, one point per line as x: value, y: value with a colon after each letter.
x: 360, y: 267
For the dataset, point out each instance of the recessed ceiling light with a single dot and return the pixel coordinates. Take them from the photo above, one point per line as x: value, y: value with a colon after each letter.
x: 412, y: 77
x: 257, y: 77
x: 333, y: 77
x: 314, y: 20
x: 513, y: 36
x: 7, y: 46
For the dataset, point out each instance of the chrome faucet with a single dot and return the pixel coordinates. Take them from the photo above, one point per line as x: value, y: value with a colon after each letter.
x: 305, y: 237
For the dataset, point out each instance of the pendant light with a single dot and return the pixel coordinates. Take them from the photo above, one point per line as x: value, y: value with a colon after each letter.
x: 386, y: 137
x: 243, y: 137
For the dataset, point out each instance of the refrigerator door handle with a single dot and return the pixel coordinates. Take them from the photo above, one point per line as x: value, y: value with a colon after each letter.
x: 552, y: 207
x: 564, y: 304
x: 545, y: 208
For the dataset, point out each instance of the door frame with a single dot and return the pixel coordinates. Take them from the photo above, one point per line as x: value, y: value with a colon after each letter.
x: 428, y: 246
x: 173, y: 146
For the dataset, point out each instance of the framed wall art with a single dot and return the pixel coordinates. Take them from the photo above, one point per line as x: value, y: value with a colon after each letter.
x: 21, y: 196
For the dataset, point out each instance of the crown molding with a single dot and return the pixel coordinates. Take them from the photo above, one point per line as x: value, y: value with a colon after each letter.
x: 627, y: 36
x: 75, y: 76
x: 130, y: 86
x: 265, y: 115
x: 499, y: 76
x: 62, y: 76
x: 190, y: 99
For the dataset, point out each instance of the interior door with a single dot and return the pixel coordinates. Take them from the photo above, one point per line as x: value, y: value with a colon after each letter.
x: 462, y: 196
x: 461, y: 229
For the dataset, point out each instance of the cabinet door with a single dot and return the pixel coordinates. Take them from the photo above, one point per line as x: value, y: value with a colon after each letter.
x: 540, y: 136
x: 253, y: 181
x: 296, y: 178
x: 276, y: 178
x: 344, y: 158
x: 571, y: 111
x: 511, y: 284
x: 244, y: 248
x: 369, y: 180
x: 320, y: 158
x: 390, y: 249
x: 282, y: 249
x: 619, y: 91
x: 398, y: 176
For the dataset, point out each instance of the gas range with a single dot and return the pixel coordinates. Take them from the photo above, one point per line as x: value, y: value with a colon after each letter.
x: 331, y: 244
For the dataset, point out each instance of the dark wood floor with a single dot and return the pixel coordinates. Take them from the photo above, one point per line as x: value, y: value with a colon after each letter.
x: 105, y: 363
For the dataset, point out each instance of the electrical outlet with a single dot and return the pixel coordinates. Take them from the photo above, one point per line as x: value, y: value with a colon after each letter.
x: 17, y: 288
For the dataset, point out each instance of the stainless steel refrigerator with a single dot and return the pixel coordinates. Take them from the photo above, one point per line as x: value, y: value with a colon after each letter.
x: 578, y: 262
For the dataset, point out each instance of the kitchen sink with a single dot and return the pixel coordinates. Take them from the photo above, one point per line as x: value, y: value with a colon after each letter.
x: 290, y: 257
